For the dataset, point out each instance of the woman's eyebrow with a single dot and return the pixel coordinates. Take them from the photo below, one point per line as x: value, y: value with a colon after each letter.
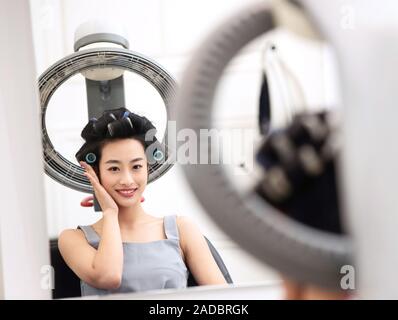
x: 117, y: 161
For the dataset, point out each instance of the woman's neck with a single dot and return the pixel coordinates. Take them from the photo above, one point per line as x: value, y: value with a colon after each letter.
x: 129, y: 216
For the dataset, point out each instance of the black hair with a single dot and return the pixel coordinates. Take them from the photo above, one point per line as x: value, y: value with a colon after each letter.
x: 113, y: 125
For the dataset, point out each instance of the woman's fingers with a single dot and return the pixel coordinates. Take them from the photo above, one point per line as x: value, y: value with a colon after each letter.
x: 105, y: 200
x: 98, y: 188
x: 94, y: 182
x: 92, y: 177
x: 89, y: 170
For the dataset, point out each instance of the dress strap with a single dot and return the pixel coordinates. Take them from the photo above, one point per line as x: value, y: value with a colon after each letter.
x: 90, y: 234
x: 170, y: 227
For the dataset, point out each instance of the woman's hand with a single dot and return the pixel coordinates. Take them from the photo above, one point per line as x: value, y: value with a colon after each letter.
x: 104, y: 199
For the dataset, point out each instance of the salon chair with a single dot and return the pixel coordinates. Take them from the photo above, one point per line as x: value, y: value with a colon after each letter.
x: 67, y: 284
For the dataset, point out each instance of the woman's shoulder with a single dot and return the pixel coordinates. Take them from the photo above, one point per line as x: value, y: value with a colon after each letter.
x: 73, y: 236
x: 183, y: 222
x: 187, y: 227
x: 70, y: 236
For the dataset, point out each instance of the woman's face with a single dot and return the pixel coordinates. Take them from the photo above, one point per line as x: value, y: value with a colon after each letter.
x: 123, y: 171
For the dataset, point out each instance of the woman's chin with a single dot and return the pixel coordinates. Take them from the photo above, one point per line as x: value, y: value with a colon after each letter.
x: 128, y: 202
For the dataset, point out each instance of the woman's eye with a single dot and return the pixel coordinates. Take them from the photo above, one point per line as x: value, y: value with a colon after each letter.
x: 136, y: 167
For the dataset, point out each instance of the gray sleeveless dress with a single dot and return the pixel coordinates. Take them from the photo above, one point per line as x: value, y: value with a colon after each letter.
x: 147, y: 265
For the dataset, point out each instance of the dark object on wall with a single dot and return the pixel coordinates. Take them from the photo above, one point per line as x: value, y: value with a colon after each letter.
x: 264, y: 116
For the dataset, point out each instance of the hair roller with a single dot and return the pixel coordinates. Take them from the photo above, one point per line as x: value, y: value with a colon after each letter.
x: 110, y: 129
x: 90, y: 158
x: 127, y: 120
x: 112, y: 116
x: 126, y: 114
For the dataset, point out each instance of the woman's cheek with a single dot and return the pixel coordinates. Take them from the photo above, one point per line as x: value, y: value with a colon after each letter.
x: 108, y: 181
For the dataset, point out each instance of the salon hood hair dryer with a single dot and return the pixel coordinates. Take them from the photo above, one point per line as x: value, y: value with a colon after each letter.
x: 366, y: 49
x: 102, y: 56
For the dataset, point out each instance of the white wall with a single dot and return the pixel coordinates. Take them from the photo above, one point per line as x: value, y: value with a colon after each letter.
x: 23, y: 240
x: 167, y: 31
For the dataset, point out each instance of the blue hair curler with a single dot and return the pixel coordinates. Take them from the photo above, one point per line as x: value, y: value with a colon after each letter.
x: 126, y: 114
x: 91, y: 158
x: 158, y: 155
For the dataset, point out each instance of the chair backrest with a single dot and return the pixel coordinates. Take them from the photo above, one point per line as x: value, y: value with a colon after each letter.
x: 67, y: 284
x: 191, y: 280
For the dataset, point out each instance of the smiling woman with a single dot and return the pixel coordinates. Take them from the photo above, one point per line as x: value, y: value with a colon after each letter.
x: 128, y: 250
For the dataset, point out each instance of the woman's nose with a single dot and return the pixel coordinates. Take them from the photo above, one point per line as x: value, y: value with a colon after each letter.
x: 127, y: 178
